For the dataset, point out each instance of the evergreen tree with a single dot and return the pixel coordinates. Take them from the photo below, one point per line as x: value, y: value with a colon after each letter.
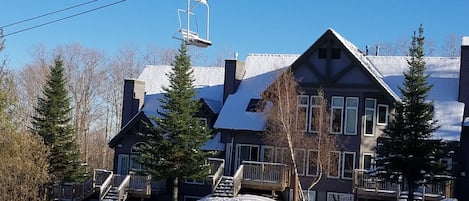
x: 407, y: 147
x: 173, y: 144
x: 53, y: 123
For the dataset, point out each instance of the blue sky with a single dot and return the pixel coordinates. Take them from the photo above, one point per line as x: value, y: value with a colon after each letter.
x: 243, y: 26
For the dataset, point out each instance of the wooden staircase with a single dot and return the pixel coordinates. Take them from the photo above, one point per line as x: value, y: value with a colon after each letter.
x: 225, y: 188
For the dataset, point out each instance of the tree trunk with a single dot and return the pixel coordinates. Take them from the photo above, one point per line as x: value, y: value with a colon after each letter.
x: 295, y: 187
x: 175, y: 188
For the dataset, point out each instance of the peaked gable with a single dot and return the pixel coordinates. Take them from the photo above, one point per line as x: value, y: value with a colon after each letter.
x: 333, y: 61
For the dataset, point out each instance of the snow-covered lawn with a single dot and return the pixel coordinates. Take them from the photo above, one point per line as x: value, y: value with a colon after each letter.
x: 240, y: 197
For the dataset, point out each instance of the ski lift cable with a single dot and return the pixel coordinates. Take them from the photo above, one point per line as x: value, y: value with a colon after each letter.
x: 64, y: 18
x: 46, y: 14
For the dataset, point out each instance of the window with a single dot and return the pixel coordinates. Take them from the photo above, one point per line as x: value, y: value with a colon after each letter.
x: 367, y: 161
x: 267, y: 154
x: 255, y: 105
x: 282, y: 155
x: 312, y: 167
x: 383, y: 114
x: 334, y: 164
x: 337, y: 106
x: 314, y: 110
x: 370, y: 116
x: 203, y: 122
x: 194, y: 181
x: 335, y: 53
x: 302, y: 112
x: 322, y: 53
x: 300, y: 160
x: 135, y: 156
x: 348, y: 165
x: 246, y: 152
x: 331, y: 196
x: 351, y: 115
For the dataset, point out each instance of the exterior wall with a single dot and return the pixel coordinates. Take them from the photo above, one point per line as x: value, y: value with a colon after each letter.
x: 462, y: 171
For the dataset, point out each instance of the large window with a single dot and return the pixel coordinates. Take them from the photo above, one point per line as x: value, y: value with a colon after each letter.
x: 337, y: 111
x: 312, y: 167
x: 351, y: 115
x: 334, y: 164
x: 383, y: 114
x: 302, y: 112
x: 332, y: 196
x: 314, y: 109
x: 300, y: 160
x: 267, y: 154
x: 348, y: 165
x: 246, y: 152
x: 370, y: 116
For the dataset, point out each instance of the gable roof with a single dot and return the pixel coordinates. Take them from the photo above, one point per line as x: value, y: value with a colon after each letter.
x: 356, y: 55
x: 262, y: 70
x: 208, y: 83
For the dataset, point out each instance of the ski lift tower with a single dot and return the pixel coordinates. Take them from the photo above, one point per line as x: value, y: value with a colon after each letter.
x: 192, y: 37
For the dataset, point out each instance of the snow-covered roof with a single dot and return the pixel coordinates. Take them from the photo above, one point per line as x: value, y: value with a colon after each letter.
x: 214, y: 144
x: 362, y: 59
x: 208, y: 82
x: 261, y: 71
x: 443, y: 75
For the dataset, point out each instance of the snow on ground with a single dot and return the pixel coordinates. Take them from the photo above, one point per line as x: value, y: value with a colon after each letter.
x: 240, y: 197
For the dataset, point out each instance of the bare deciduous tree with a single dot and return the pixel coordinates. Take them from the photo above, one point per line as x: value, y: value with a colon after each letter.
x: 284, y: 118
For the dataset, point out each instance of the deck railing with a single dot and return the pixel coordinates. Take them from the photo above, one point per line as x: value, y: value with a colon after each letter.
x: 140, y: 185
x: 371, y: 185
x: 237, y: 180
x: 123, y: 186
x: 266, y: 176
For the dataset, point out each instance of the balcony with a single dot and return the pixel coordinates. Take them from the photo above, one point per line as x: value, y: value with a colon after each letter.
x: 369, y: 185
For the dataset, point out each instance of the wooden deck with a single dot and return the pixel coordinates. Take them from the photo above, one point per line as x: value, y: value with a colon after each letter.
x: 265, y: 176
x: 101, y: 183
x: 368, y: 185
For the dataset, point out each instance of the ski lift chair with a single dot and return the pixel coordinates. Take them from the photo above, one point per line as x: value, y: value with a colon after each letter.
x: 189, y: 36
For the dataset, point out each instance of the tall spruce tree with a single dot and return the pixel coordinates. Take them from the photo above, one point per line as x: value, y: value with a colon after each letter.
x: 52, y: 122
x: 173, y: 144
x: 407, y: 147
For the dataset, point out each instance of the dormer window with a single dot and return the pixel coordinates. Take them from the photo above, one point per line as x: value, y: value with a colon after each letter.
x: 255, y: 105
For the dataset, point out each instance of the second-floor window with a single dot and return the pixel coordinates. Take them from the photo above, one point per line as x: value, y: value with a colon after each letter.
x: 337, y: 112
x: 334, y: 164
x: 351, y: 115
x: 370, y: 116
x: 302, y: 112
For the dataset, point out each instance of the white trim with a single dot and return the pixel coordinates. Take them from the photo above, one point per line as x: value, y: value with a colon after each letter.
x: 272, y: 149
x: 237, y: 155
x: 228, y: 157
x: 337, y: 107
x: 304, y: 161
x: 121, y: 160
x: 373, y: 116
x: 312, y: 107
x: 306, y: 106
x: 347, y: 108
x: 343, y: 164
x: 362, y: 164
x: 308, y: 163
x: 338, y: 165
x: 386, y: 117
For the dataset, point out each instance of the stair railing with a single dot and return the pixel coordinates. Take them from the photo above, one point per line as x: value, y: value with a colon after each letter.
x: 105, y: 187
x: 217, y: 176
x: 237, y: 180
x: 124, y: 187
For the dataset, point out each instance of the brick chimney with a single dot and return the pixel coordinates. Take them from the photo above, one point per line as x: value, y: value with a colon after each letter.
x: 134, y: 93
x: 463, y: 95
x: 234, y: 73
